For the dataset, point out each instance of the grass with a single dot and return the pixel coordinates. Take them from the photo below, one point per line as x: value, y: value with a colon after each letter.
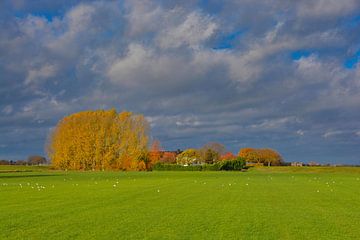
x: 22, y: 168
x: 263, y: 203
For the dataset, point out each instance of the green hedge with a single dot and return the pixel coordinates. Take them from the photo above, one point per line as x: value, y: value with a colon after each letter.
x: 229, y: 165
x: 175, y: 167
x: 233, y: 165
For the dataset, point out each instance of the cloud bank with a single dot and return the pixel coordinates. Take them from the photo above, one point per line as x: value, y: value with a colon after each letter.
x: 244, y: 73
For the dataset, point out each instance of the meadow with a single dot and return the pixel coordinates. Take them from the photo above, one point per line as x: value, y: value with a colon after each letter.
x: 262, y: 203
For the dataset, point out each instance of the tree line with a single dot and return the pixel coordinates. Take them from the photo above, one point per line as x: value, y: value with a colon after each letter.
x: 31, y: 160
x: 108, y: 140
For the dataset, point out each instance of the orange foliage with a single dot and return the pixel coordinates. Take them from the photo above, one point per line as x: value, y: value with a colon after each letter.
x: 245, y: 151
x: 168, y: 157
x: 141, y: 166
x: 227, y: 156
x: 265, y: 156
x: 155, y: 152
x: 98, y: 140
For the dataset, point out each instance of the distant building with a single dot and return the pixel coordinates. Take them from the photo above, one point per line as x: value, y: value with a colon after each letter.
x: 297, y: 164
x: 313, y: 164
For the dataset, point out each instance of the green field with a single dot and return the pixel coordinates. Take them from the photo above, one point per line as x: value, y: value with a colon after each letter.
x: 264, y: 203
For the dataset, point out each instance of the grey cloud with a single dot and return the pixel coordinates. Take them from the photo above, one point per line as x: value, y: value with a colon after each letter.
x: 161, y: 59
x: 326, y: 8
x: 192, y: 32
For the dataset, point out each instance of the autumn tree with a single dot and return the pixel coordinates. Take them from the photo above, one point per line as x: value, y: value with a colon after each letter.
x: 271, y: 157
x: 211, y: 152
x: 168, y: 157
x: 265, y: 156
x: 254, y: 156
x: 245, y: 151
x: 154, y: 153
x: 188, y: 157
x: 99, y: 140
x: 209, y: 156
x: 216, y: 147
x: 227, y: 156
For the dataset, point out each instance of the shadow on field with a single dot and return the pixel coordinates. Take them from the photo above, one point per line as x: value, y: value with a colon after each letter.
x: 30, y: 176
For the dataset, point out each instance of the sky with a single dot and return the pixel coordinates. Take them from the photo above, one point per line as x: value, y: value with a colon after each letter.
x: 245, y: 73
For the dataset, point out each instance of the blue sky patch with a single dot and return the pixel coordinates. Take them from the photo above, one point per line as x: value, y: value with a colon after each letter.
x: 299, y: 54
x: 353, y: 22
x: 352, y: 62
x: 228, y: 41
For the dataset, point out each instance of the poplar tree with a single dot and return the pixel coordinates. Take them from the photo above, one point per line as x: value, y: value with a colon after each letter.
x: 99, y: 140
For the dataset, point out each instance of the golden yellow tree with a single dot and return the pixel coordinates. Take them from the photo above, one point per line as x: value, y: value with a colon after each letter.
x: 245, y: 151
x: 266, y: 156
x: 99, y: 140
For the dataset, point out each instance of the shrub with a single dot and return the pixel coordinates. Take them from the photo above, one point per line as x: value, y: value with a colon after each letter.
x: 229, y: 165
x: 233, y: 165
x: 175, y: 167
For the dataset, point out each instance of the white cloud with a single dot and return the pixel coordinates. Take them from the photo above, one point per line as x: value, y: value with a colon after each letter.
x: 332, y: 133
x: 300, y: 132
x: 275, y: 123
x: 81, y: 25
x: 143, y: 66
x: 37, y: 75
x: 191, y: 32
x: 143, y: 16
x: 79, y: 18
x: 271, y: 35
x: 326, y: 8
x: 34, y: 26
x: 134, y: 65
x: 188, y: 122
x: 310, y: 68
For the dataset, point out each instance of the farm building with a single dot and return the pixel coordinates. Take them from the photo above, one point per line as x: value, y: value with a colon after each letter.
x: 297, y: 164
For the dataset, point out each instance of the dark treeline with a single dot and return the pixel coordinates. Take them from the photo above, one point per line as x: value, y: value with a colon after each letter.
x: 31, y: 160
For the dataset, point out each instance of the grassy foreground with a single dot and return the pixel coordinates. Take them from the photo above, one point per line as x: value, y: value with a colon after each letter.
x: 264, y: 203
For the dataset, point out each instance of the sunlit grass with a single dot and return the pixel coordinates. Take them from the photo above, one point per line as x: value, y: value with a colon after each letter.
x: 265, y: 203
